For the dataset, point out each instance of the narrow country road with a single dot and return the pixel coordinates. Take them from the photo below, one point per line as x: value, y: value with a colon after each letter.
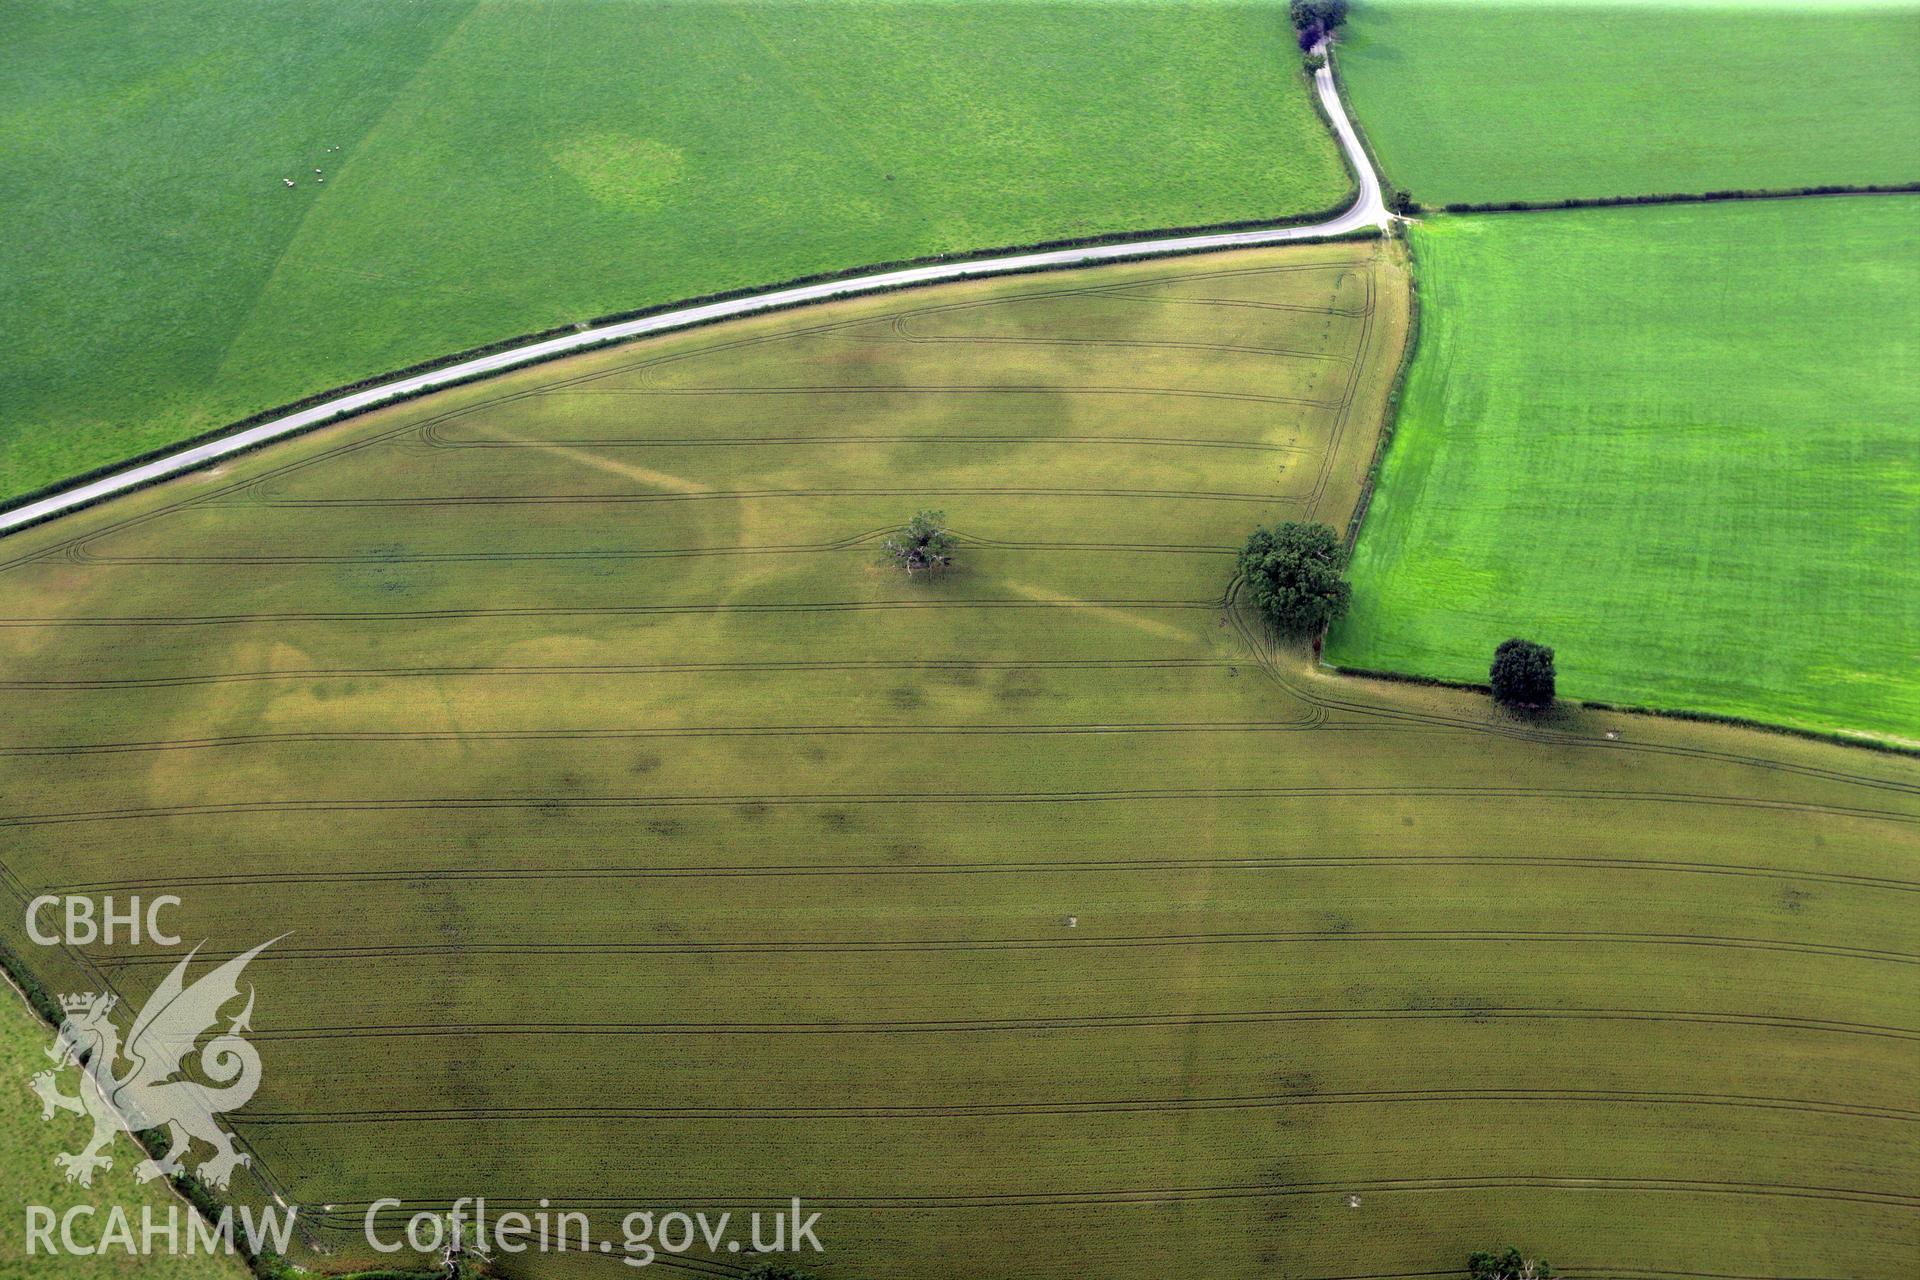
x: 1368, y: 210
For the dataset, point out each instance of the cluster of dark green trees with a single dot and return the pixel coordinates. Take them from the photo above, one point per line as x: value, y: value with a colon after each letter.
x: 776, y: 1271
x: 1508, y: 1264
x: 1315, y: 20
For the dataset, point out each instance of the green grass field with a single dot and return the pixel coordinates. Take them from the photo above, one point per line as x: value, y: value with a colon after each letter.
x: 645, y: 842
x: 28, y: 1175
x: 1550, y: 99
x: 501, y: 167
x: 1674, y: 442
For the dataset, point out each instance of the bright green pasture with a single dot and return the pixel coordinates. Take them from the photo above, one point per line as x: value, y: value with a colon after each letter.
x: 1523, y: 100
x: 500, y: 167
x: 644, y: 842
x: 1677, y: 444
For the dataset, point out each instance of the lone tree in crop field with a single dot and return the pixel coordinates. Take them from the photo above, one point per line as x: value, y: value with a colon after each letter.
x: 1507, y: 1265
x: 776, y: 1271
x: 1293, y: 576
x: 1316, y: 19
x: 924, y: 546
x: 1522, y: 676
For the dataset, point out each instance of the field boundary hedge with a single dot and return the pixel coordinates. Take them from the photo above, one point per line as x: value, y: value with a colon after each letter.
x: 1830, y: 737
x: 1390, y: 194
x: 1389, y: 190
x: 1390, y: 415
x: 1669, y: 197
x: 747, y: 291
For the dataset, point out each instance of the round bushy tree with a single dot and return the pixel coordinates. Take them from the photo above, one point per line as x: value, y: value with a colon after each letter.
x: 923, y: 546
x: 1509, y: 1264
x: 1293, y: 577
x: 1522, y: 675
x: 776, y: 1271
x: 1314, y: 20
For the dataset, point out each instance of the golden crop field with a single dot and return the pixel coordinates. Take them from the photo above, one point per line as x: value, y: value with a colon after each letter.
x: 640, y: 840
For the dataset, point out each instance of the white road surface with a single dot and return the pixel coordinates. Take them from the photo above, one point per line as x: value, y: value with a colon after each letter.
x: 1368, y: 210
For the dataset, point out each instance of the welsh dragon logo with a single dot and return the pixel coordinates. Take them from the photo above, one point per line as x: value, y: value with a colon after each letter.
x: 154, y: 1088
